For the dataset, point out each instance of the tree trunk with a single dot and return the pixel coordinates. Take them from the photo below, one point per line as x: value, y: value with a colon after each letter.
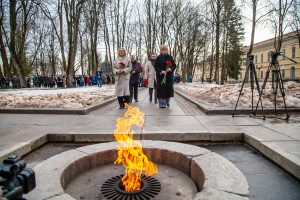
x: 12, y: 45
x: 211, y: 57
x: 61, y: 35
x: 4, y: 57
x: 106, y: 38
x: 254, y: 6
x: 223, y: 57
x: 73, y: 14
x: 217, y: 41
x: 149, y: 19
x: 81, y: 53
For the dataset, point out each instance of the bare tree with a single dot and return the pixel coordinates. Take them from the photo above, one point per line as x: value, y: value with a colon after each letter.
x: 106, y: 36
x: 69, y: 13
x: 72, y: 15
x: 20, y: 17
x: 216, y: 9
x: 52, y: 53
x: 295, y: 20
x: 76, y: 30
x: 278, y: 13
x: 3, y: 44
x: 92, y: 23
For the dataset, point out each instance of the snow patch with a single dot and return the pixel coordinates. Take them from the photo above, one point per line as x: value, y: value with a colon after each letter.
x: 226, y: 95
x: 55, y: 98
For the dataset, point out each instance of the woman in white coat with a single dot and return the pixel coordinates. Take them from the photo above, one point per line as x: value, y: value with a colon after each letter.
x: 121, y: 69
x: 150, y: 74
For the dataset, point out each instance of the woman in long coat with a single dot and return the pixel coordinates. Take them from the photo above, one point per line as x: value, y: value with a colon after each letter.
x: 121, y: 70
x: 150, y: 75
x: 164, y: 67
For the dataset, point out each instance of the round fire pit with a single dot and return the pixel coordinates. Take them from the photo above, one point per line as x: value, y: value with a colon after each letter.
x: 113, y: 189
x: 103, y: 183
x: 184, y: 172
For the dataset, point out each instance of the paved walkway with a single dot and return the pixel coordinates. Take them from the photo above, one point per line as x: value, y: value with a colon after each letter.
x: 20, y: 133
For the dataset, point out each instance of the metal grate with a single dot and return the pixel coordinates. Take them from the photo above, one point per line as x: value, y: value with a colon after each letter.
x: 113, y: 189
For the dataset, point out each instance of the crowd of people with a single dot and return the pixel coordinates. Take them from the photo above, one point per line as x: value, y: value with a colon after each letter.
x: 13, y: 82
x: 98, y: 79
x: 9, y: 82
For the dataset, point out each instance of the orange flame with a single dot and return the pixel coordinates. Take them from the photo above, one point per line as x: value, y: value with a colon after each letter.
x: 130, y: 152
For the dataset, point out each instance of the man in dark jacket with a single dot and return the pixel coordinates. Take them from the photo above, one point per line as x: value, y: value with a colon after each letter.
x: 99, y: 78
x: 134, y: 78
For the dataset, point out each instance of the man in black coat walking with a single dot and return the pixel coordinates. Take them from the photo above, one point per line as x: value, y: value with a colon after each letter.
x: 134, y: 78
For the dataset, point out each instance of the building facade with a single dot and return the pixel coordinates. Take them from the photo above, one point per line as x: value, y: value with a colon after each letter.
x: 262, y: 57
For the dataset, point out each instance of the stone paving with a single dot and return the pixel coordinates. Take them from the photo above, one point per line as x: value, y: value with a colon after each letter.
x: 21, y: 133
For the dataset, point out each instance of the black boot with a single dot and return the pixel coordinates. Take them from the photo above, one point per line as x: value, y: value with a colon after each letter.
x: 126, y: 100
x: 150, y: 94
x: 121, y: 102
x: 155, y: 92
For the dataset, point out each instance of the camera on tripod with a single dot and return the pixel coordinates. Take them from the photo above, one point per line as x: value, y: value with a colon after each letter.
x: 251, y: 58
x: 274, y: 56
x: 15, y: 178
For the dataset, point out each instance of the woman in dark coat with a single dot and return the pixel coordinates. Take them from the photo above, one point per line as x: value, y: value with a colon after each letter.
x: 164, y: 67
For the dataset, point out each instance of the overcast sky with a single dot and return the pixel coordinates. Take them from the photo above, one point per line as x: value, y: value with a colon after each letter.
x: 262, y: 31
x: 261, y: 34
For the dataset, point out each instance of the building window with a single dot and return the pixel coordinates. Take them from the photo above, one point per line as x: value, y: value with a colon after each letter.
x: 283, y: 73
x: 283, y: 53
x: 261, y: 58
x: 294, y: 52
x: 292, y: 75
x: 261, y: 74
x: 255, y: 58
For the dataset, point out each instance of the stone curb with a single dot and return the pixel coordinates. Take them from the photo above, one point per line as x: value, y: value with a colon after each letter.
x: 42, y: 111
x: 22, y: 148
x: 225, y: 111
x: 83, y: 111
x: 49, y: 174
x: 55, y: 173
x: 213, y: 194
x: 171, y: 136
x: 218, y: 171
x: 99, y: 105
x: 275, y: 154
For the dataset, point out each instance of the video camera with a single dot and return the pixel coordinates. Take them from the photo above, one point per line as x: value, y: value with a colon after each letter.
x: 15, y: 178
x: 251, y: 58
x: 274, y: 56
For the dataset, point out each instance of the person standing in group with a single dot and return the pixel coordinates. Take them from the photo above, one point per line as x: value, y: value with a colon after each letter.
x: 99, y: 78
x: 134, y: 78
x: 150, y: 75
x: 164, y: 67
x: 121, y: 70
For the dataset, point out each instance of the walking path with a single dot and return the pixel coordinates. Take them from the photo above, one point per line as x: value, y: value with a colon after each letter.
x: 21, y: 133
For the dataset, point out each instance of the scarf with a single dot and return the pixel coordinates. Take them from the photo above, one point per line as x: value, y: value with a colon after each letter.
x: 152, y: 62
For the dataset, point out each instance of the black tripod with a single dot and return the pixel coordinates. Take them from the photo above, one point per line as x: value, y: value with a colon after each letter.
x: 253, y: 77
x: 276, y: 82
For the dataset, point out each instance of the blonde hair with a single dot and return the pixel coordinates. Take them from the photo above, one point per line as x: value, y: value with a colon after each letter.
x: 122, y: 49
